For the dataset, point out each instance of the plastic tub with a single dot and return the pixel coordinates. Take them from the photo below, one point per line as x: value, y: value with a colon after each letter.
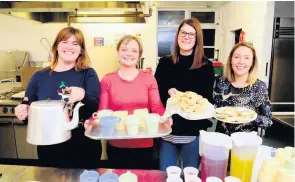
x: 89, y: 176
x: 108, y: 125
x: 108, y: 177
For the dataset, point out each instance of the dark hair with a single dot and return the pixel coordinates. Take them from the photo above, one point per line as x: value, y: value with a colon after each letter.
x: 198, y: 49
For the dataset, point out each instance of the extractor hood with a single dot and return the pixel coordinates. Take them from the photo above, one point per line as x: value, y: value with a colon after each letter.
x: 78, y: 12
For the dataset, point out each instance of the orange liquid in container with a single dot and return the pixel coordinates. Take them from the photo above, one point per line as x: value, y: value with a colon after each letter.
x: 241, y: 169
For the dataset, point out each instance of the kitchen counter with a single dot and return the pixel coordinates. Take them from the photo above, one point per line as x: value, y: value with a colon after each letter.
x: 10, y: 172
x: 286, y: 119
x: 283, y: 113
x: 46, y: 174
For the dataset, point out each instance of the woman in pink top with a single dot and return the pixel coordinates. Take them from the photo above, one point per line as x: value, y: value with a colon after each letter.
x: 129, y: 89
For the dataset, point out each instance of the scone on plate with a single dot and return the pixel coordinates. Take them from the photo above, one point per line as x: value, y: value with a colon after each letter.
x: 179, y: 94
x: 189, y: 109
x: 203, y: 101
x: 191, y: 101
x: 231, y: 119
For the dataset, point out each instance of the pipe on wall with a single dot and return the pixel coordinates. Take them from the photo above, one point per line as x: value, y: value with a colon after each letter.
x: 141, y: 15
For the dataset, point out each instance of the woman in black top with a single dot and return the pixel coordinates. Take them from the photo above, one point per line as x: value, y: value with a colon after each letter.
x: 186, y: 70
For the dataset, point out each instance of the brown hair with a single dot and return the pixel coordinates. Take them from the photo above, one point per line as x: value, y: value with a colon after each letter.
x: 127, y: 39
x: 83, y: 61
x: 229, y: 72
x: 198, y: 49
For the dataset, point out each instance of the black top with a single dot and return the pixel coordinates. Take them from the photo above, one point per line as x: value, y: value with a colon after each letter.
x: 45, y: 85
x: 180, y: 76
x: 254, y: 97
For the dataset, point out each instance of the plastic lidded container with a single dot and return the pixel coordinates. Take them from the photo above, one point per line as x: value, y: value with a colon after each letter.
x: 89, y: 176
x: 108, y: 125
x: 232, y: 179
x: 108, y: 177
x: 128, y: 177
x: 213, y: 179
x: 173, y: 172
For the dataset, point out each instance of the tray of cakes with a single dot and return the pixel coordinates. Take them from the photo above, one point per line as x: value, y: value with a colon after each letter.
x: 189, y: 105
x: 235, y: 115
x: 108, y: 124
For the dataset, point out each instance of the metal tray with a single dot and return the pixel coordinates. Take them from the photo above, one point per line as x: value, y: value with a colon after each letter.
x: 95, y: 134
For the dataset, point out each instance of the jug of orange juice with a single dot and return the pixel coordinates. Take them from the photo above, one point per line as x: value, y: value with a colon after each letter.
x: 243, y: 154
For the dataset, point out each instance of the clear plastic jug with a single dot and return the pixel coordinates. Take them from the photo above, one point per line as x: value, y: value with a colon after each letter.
x: 214, y: 150
x: 243, y: 154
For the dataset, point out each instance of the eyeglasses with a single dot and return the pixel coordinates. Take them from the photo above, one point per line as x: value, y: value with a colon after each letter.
x: 190, y: 35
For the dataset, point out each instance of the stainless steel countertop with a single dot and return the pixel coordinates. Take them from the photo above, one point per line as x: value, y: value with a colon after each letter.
x: 287, y: 119
x: 11, y: 172
x: 5, y: 87
x: 45, y: 174
x: 14, y: 173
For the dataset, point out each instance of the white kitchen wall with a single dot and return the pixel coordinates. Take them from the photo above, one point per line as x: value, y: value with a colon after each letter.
x: 16, y: 33
x: 256, y: 19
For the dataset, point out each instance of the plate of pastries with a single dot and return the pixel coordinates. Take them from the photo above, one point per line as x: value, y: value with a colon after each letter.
x: 189, y: 105
x: 235, y: 115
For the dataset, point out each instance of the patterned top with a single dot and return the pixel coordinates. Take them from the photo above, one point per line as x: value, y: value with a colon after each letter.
x: 253, y: 97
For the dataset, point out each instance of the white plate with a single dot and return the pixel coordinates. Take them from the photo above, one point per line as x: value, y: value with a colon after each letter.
x: 237, y: 122
x: 173, y: 109
x: 95, y: 134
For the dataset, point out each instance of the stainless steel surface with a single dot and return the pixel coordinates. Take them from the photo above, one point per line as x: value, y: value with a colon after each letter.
x: 11, y: 62
x: 49, y: 122
x: 45, y: 174
x: 94, y: 133
x: 7, y: 104
x: 13, y: 132
x: 287, y: 120
x: 24, y: 149
x: 11, y: 172
x: 7, y: 139
x: 46, y: 12
x: 282, y: 65
x: 50, y: 175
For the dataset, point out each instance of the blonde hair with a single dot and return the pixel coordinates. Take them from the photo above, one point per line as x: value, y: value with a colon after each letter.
x: 126, y: 39
x: 198, y: 49
x: 253, y: 72
x: 83, y: 61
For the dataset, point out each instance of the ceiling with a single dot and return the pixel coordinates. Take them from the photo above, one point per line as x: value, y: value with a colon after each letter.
x: 80, y: 11
x: 94, y: 11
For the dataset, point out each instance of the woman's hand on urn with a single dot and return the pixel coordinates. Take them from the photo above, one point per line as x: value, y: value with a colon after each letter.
x: 76, y: 94
x: 22, y: 110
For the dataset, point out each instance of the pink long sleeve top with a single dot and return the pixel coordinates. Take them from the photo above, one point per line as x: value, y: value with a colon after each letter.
x: 139, y: 93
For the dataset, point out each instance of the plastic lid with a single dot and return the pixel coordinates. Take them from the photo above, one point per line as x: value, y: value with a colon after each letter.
x: 108, y: 177
x: 216, y: 139
x: 128, y: 177
x: 89, y: 176
x: 48, y: 103
x: 232, y: 179
x: 246, y: 139
x: 213, y: 179
x: 108, y: 120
